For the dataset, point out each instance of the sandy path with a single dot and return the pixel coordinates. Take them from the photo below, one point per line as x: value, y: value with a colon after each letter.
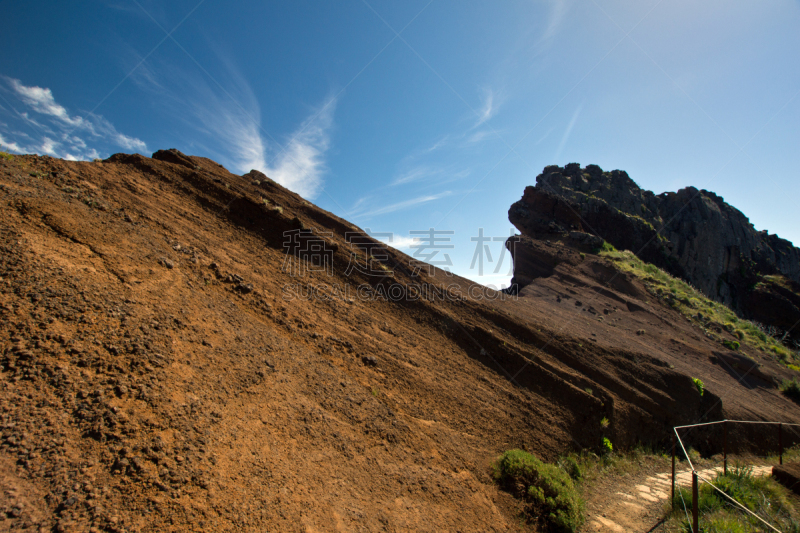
x: 639, y: 506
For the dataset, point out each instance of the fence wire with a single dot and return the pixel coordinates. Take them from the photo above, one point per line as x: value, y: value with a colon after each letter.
x: 742, y: 507
x: 729, y: 499
x: 685, y: 510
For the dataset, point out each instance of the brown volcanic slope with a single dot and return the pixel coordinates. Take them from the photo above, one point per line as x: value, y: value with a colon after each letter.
x: 155, y: 379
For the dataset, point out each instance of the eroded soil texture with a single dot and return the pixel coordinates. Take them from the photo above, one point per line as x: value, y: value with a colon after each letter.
x: 164, y: 367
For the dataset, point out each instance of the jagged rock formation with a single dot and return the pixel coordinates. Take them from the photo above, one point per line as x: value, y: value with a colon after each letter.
x: 691, y: 233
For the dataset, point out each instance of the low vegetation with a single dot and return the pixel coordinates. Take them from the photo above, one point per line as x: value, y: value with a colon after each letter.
x: 553, y: 501
x: 760, y: 494
x: 700, y: 385
x: 712, y: 317
x: 605, y: 247
x: 6, y: 155
x: 607, y: 446
x: 573, y: 475
x: 775, y: 279
x: 791, y: 389
x: 731, y: 345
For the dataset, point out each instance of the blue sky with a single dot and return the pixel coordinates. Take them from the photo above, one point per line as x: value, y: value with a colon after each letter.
x: 405, y: 116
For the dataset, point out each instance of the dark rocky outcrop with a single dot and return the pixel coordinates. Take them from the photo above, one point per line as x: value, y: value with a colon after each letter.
x: 693, y: 234
x: 176, y: 157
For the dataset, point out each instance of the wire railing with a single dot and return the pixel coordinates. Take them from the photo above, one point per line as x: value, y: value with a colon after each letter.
x: 695, y: 474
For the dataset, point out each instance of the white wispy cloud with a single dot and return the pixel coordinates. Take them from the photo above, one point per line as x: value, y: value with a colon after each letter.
x: 557, y: 15
x: 8, y: 145
x: 441, y: 142
x: 415, y: 174
x: 48, y: 146
x: 567, y: 133
x: 400, y: 242
x: 405, y: 204
x: 543, y: 137
x: 300, y: 165
x: 234, y: 135
x: 42, y: 101
x: 430, y: 175
x: 488, y: 108
x: 478, y: 137
x: 226, y: 122
x: 58, y: 132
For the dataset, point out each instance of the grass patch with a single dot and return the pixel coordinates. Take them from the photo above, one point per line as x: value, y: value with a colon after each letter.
x: 731, y: 345
x: 700, y: 385
x: 761, y: 495
x: 778, y: 280
x: 791, y: 389
x: 605, y: 247
x: 593, y: 466
x: 607, y: 446
x: 552, y: 500
x: 710, y: 316
x: 6, y: 156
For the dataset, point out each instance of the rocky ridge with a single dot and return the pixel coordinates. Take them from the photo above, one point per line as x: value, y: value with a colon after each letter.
x: 693, y: 234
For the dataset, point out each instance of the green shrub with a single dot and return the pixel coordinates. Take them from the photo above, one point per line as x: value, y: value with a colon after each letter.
x: 693, y: 455
x: 607, y: 446
x: 731, y: 345
x: 781, y: 352
x: 791, y: 389
x: 604, y: 423
x: 553, y: 501
x: 699, y: 384
x: 605, y: 247
x: 571, y: 466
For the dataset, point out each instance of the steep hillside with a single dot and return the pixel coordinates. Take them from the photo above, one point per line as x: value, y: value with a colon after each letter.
x: 692, y: 234
x: 168, y: 366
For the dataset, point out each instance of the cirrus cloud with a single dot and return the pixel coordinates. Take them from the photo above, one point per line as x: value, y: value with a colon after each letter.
x: 56, y: 132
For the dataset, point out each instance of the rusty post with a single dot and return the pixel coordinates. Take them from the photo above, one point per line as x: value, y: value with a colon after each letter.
x: 780, y: 442
x: 725, y: 450
x: 673, y: 469
x: 695, y: 528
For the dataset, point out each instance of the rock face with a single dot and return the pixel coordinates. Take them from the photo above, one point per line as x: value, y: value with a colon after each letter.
x: 691, y: 233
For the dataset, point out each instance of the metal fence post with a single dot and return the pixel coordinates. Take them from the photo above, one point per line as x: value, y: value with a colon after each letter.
x: 673, y: 470
x: 725, y: 449
x: 695, y: 526
x: 780, y: 441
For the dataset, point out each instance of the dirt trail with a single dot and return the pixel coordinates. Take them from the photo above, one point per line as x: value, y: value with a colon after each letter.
x: 637, y: 506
